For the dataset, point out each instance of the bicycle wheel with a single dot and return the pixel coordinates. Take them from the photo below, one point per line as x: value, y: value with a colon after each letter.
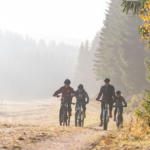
x: 65, y: 117
x: 82, y: 119
x: 76, y: 119
x: 68, y: 120
x: 105, y: 121
x: 61, y: 116
x: 118, y: 121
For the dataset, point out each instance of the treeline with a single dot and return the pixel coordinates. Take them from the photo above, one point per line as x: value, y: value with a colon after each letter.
x: 84, y: 70
x: 30, y: 69
x: 118, y: 52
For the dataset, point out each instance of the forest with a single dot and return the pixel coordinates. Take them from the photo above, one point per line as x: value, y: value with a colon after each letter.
x: 33, y: 69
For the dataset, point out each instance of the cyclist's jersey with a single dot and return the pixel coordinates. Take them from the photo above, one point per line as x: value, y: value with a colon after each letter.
x: 82, y: 96
x: 67, y: 93
x: 107, y: 93
x: 120, y: 101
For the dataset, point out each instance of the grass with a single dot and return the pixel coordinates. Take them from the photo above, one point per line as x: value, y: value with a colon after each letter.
x: 134, y: 136
x: 17, y: 136
x: 22, y: 125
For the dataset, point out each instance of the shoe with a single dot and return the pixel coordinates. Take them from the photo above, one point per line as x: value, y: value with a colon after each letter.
x: 70, y: 114
x: 101, y: 124
x: 110, y: 115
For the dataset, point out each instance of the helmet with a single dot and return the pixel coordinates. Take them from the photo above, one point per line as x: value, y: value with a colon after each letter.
x: 118, y: 92
x: 80, y: 86
x: 107, y: 80
x: 67, y: 81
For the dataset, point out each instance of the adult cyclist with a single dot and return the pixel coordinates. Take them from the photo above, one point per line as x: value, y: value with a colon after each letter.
x: 67, y: 94
x: 82, y: 98
x: 107, y: 93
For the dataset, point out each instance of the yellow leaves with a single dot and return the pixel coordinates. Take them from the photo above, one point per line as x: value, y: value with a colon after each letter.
x: 102, y: 142
x: 145, y: 16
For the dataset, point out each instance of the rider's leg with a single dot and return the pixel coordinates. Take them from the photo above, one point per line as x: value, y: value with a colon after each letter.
x: 84, y: 110
x: 110, y: 108
x: 69, y: 109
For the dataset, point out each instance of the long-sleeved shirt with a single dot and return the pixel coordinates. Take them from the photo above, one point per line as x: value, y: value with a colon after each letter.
x: 82, y: 96
x: 106, y: 92
x: 120, y: 101
x: 67, y: 93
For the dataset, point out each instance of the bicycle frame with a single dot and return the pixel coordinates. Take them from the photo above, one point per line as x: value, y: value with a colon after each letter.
x: 105, y: 110
x: 64, y: 114
x: 119, y: 116
x: 79, y: 118
x: 104, y: 114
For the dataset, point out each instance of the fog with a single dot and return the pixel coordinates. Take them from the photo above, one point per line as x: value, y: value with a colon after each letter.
x: 39, y: 45
x: 30, y: 69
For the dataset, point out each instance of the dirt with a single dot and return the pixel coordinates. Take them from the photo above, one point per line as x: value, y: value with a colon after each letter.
x: 83, y: 139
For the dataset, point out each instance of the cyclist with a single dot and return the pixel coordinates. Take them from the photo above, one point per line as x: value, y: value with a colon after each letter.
x: 67, y: 94
x: 82, y: 98
x: 107, y: 92
x: 120, y: 102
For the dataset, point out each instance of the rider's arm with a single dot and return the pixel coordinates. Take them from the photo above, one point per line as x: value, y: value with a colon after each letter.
x: 58, y: 92
x: 87, y: 97
x: 114, y: 95
x: 100, y: 94
x: 73, y: 92
x: 124, y: 101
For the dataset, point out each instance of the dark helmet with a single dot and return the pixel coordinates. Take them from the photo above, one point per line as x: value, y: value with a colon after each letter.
x: 118, y: 92
x: 107, y: 80
x: 67, y: 81
x: 80, y: 86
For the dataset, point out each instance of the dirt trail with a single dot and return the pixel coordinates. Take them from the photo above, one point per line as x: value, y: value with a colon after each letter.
x: 83, y: 139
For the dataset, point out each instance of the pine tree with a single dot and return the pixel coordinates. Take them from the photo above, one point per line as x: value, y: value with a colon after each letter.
x: 84, y: 73
x: 120, y: 55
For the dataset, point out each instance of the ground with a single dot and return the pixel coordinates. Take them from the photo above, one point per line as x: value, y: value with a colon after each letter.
x: 34, y: 126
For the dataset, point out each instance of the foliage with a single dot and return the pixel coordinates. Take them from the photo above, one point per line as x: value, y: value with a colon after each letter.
x: 119, y: 54
x: 142, y: 8
x: 135, y: 135
x: 134, y: 102
x: 133, y: 6
x: 144, y: 111
x: 144, y: 29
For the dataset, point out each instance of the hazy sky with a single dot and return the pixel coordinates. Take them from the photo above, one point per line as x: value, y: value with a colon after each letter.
x: 70, y: 21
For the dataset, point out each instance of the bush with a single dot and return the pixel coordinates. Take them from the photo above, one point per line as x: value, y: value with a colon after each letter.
x: 144, y: 111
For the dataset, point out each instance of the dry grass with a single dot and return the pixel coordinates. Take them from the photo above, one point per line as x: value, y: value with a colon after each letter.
x: 28, y: 123
x: 17, y: 136
x: 134, y: 136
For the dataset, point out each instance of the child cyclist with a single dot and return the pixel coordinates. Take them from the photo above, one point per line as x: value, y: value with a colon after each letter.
x: 119, y: 102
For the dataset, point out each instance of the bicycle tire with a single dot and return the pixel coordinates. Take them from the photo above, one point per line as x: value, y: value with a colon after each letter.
x: 76, y: 119
x: 60, y: 117
x: 68, y: 121
x: 82, y: 119
x: 118, y: 121
x: 105, y: 121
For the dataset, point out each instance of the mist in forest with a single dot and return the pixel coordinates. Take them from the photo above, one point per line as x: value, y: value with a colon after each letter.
x: 30, y: 69
x: 40, y: 49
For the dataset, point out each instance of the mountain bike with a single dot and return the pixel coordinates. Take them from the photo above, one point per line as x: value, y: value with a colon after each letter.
x: 119, y: 118
x: 64, y: 117
x: 79, y: 115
